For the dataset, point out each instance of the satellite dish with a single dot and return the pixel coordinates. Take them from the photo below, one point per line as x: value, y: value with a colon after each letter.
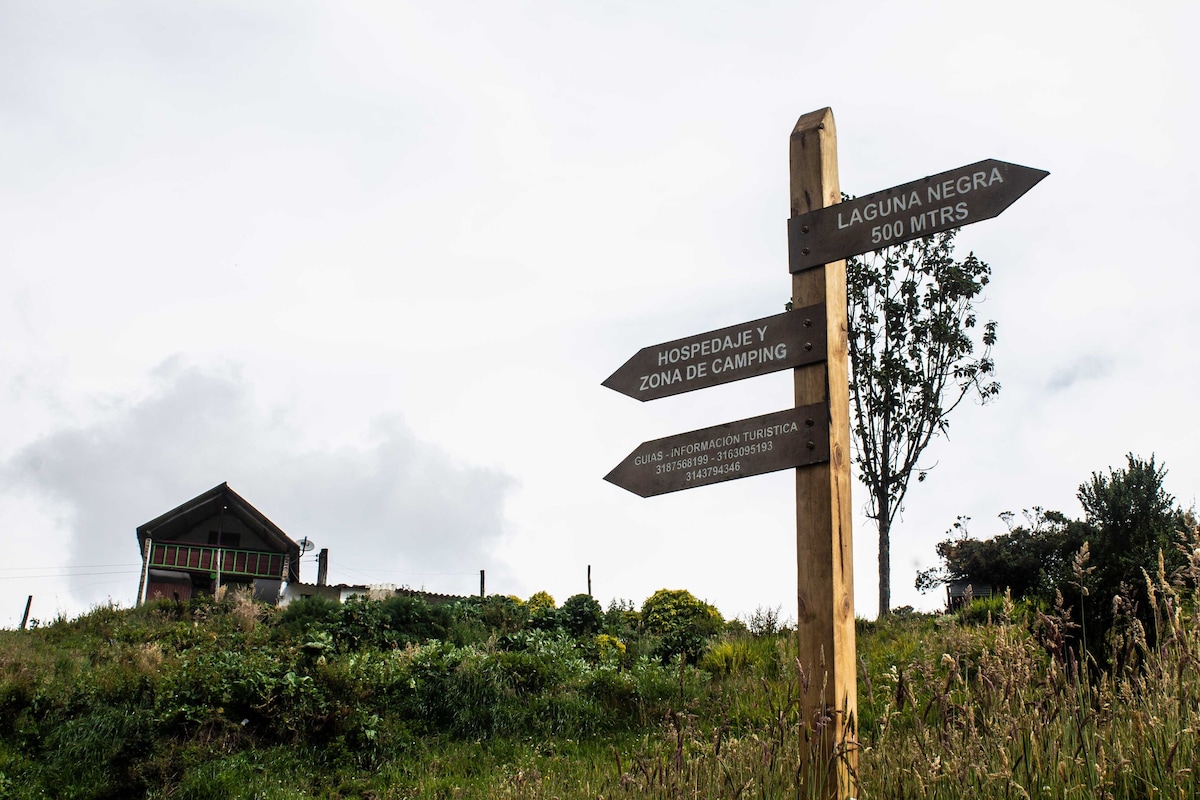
x: 306, y: 544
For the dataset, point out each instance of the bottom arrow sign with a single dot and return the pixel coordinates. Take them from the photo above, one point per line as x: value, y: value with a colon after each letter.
x: 792, y: 438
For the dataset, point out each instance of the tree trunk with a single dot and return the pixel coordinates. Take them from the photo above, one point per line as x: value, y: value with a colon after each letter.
x: 885, y: 550
x: 883, y: 509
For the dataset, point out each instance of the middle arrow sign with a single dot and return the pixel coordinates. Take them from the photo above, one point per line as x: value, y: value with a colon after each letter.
x: 770, y: 344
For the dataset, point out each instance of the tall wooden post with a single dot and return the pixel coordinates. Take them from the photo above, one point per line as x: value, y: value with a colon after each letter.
x: 217, y: 590
x: 824, y: 541
x: 143, y: 585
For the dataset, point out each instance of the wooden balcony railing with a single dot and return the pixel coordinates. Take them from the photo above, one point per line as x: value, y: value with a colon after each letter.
x: 203, y: 558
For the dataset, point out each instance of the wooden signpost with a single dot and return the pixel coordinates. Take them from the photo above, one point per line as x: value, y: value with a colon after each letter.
x: 824, y: 536
x: 739, y: 449
x: 813, y: 437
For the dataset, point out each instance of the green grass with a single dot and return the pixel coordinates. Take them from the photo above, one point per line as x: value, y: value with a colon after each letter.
x: 232, y: 700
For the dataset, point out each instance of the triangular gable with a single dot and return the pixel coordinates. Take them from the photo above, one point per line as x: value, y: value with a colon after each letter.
x: 177, y: 523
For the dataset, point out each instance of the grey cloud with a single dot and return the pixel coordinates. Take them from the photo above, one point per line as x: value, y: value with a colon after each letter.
x: 1081, y: 369
x: 397, y: 506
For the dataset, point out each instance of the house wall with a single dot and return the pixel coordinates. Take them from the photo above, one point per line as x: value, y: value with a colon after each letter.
x: 248, y: 539
x: 297, y: 591
x: 164, y: 585
x: 267, y: 590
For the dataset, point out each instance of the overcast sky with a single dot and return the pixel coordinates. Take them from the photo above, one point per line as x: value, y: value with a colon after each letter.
x: 370, y: 262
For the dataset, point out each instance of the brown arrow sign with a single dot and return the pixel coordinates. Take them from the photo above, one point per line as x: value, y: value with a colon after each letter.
x: 926, y: 206
x: 754, y: 348
x: 792, y: 438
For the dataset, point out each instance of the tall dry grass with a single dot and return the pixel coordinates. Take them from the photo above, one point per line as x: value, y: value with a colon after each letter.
x: 1010, y: 709
x: 1029, y: 716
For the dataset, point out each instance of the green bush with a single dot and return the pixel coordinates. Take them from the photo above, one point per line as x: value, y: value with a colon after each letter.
x: 302, y: 615
x: 234, y: 684
x: 982, y: 610
x: 415, y: 620
x: 613, y: 688
x: 582, y: 616
x: 363, y: 623
x: 621, y: 619
x: 452, y: 692
x: 97, y: 754
x: 682, y: 622
x: 474, y: 620
x: 735, y: 654
x: 502, y: 614
x: 608, y: 649
x: 727, y: 657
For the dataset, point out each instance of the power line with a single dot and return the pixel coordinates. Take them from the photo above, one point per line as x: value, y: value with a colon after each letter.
x: 77, y: 566
x: 65, y: 575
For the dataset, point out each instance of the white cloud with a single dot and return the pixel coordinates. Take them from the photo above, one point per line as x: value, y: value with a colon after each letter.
x: 391, y: 509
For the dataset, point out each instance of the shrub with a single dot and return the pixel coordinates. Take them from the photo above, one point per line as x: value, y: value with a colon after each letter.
x: 727, y: 657
x: 683, y: 623
x: 539, y: 601
x: 543, y: 615
x: 764, y: 621
x: 363, y: 623
x: 982, y: 610
x: 414, y: 619
x: 308, y: 612
x: 582, y: 616
x: 622, y: 619
x: 503, y: 614
x: 96, y: 755
x: 735, y: 654
x: 609, y: 649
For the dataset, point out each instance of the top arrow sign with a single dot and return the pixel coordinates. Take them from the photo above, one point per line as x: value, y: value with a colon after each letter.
x: 920, y: 208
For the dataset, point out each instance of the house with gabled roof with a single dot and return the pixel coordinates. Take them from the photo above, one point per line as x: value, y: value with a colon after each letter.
x: 215, y: 539
x: 963, y: 591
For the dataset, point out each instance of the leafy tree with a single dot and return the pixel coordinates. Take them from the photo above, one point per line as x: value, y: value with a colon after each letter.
x: 1130, y: 519
x: 916, y: 352
x: 1029, y: 560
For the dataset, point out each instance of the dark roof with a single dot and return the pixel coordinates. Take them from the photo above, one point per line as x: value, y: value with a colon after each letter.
x: 184, y: 517
x: 978, y: 588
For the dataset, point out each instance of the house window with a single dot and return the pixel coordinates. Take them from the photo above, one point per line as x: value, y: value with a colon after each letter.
x: 231, y: 540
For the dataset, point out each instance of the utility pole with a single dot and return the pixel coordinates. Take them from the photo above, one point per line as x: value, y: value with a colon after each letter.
x: 25, y: 617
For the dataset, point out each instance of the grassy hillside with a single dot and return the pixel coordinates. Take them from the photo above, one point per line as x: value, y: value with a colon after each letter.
x: 395, y: 699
